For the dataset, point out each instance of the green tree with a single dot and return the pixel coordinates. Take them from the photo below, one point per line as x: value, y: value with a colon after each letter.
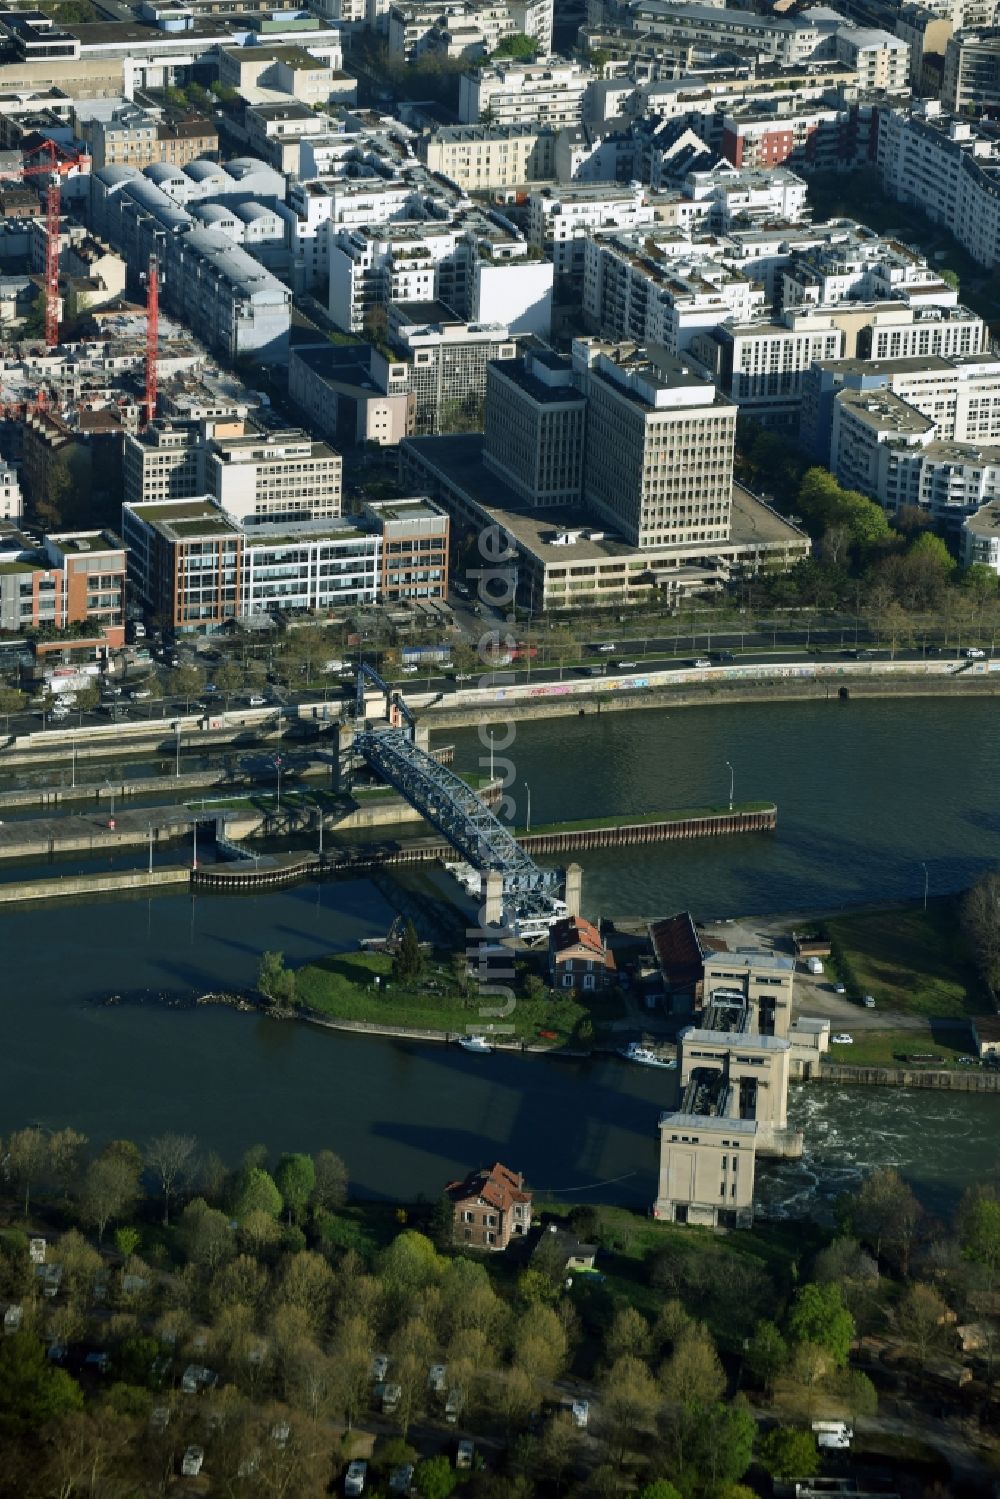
x: 127, y: 1241
x: 206, y: 1235
x: 661, y: 1489
x: 789, y: 1452
x: 257, y: 1193
x: 408, y: 961
x: 629, y: 1400
x: 979, y: 1230
x: 933, y: 549
x: 434, y: 1478
x: 111, y: 1187
x: 186, y: 682
x: 523, y: 48
x: 819, y: 1316
x: 767, y: 1355
x: 720, y: 1448
x: 295, y: 1179
x: 885, y: 1212
x: 274, y: 980
x: 32, y: 1391
x: 628, y: 1333
x: 12, y: 699
x: 228, y: 677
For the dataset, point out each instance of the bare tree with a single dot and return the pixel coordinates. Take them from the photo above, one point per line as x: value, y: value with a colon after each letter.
x: 28, y: 1160
x: 172, y: 1159
x: 981, y: 922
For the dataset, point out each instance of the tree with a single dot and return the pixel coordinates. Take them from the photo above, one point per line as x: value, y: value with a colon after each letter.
x: 295, y: 1179
x: 257, y: 1194
x: 819, y: 1316
x: 522, y: 47
x: 858, y: 1394
x: 767, y: 1355
x: 127, y: 1241
x: 979, y: 1230
x: 628, y: 1333
x: 692, y: 1376
x: 720, y: 1447
x: 32, y: 1391
x: 434, y: 1478
x: 172, y: 1159
x: 206, y: 1235
x: 408, y: 961
x: 27, y: 1160
x: 661, y: 1489
x: 228, y: 678
x: 920, y: 1317
x: 186, y: 682
x: 274, y: 980
x: 980, y: 917
x: 885, y: 1211
x: 789, y: 1452
x: 629, y: 1399
x: 330, y: 1188
x: 111, y: 1185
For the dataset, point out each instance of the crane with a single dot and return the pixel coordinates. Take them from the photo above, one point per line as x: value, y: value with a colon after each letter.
x: 59, y: 163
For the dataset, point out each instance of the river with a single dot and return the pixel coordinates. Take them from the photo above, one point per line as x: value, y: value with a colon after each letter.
x: 866, y: 791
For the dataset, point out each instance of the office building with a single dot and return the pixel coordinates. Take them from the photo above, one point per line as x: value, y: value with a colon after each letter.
x: 535, y: 428
x: 69, y: 579
x: 482, y: 158
x: 446, y: 362
x: 659, y: 453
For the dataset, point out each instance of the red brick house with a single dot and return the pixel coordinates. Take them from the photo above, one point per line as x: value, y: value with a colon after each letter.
x: 491, y: 1208
x: 578, y: 958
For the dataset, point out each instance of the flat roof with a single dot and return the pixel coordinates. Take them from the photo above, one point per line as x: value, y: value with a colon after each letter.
x: 718, y: 1124
x: 732, y: 1040
x: 756, y: 957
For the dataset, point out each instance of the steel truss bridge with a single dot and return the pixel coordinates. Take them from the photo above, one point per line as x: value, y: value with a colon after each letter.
x: 445, y: 801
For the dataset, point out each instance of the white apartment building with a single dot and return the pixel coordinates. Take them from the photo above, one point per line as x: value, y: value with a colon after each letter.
x: 950, y: 168
x: 446, y: 362
x: 646, y: 287
x: 659, y: 453
x: 980, y: 538
x: 542, y: 93
x: 478, y: 265
x: 761, y: 365
x: 479, y: 158
x: 560, y: 220
x: 882, y: 61
x: 972, y: 72
x: 465, y: 27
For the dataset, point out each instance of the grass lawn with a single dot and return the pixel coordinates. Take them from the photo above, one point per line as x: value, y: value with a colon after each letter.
x: 886, y: 1048
x: 911, y: 960
x: 343, y: 986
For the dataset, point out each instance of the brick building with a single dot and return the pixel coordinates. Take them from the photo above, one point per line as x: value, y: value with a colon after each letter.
x: 578, y: 956
x: 491, y: 1208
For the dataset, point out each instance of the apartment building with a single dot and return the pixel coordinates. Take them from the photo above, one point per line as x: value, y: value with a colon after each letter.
x: 561, y: 220
x: 659, y: 453
x: 980, y: 538
x: 195, y: 565
x: 132, y: 136
x: 535, y: 428
x: 455, y: 28
x: 414, y: 536
x: 351, y: 393
x: 478, y: 264
x: 880, y: 59
x: 971, y: 82
x: 761, y: 365
x: 656, y: 288
x: 164, y: 462
x: 482, y: 158
x: 960, y: 396
x: 446, y: 363
x: 949, y: 168
x: 544, y: 93
x: 69, y: 578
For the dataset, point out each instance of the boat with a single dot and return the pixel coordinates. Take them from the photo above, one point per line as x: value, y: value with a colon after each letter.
x: 635, y: 1052
x: 474, y: 1043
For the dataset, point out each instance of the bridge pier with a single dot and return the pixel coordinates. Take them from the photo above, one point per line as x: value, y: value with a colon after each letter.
x: 493, y: 910
x: 574, y: 889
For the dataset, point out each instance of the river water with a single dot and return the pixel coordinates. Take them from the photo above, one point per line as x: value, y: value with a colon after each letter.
x: 866, y: 791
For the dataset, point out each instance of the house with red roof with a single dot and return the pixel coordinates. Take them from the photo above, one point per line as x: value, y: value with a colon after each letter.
x: 491, y: 1207
x: 579, y: 958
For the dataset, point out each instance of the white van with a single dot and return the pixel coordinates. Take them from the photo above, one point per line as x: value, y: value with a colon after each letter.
x: 814, y: 965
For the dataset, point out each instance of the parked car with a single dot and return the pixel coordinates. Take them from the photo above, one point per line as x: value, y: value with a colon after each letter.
x: 354, y: 1479
x: 975, y: 653
x: 191, y: 1462
x: 627, y: 665
x: 581, y: 1413
x: 464, y: 1454
x: 401, y: 1479
x: 723, y: 656
x: 701, y: 662
x: 609, y: 645
x: 256, y: 701
x: 869, y: 1001
x: 379, y: 1366
x: 842, y: 1039
x: 840, y: 988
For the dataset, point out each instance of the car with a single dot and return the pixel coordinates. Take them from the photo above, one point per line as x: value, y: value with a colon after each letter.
x: 840, y: 988
x: 723, y: 656
x: 379, y: 1366
x: 60, y: 710
x: 842, y: 1039
x: 975, y: 653
x: 609, y: 645
x: 354, y: 1478
x: 464, y: 1454
x: 869, y: 1001
x: 436, y: 1378
x: 702, y: 662
x: 580, y: 1411
x: 256, y: 701
x: 463, y: 676
x: 627, y: 665
x: 108, y: 689
x: 191, y: 1462
x: 410, y: 671
x: 966, y: 1061
x: 137, y: 693
x: 401, y: 1479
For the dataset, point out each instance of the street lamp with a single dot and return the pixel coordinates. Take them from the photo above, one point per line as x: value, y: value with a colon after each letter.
x: 111, y: 791
x: 177, y: 756
x: 927, y: 881
x: 528, y: 823
x: 277, y: 766
x: 732, y: 783
x: 150, y: 849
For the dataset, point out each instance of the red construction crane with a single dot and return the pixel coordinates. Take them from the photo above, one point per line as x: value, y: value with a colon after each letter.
x: 152, y: 333
x: 58, y: 164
